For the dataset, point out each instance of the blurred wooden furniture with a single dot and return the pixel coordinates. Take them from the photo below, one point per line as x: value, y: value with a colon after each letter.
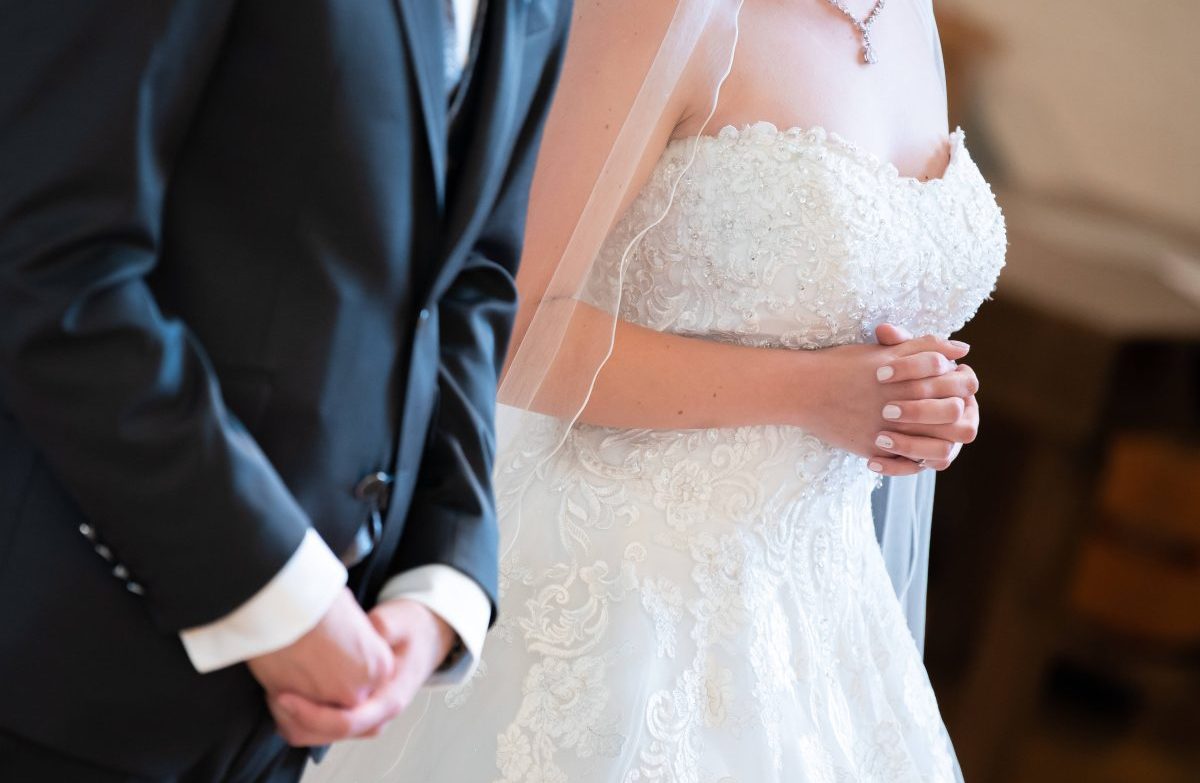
x: 1094, y: 331
x: 1138, y: 575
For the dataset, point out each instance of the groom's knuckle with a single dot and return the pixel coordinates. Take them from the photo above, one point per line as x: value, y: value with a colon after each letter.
x: 387, y: 624
x: 376, y: 668
x: 351, y: 696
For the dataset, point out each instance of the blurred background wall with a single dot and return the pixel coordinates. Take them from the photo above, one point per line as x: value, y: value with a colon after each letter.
x: 1100, y: 96
x: 1064, y: 607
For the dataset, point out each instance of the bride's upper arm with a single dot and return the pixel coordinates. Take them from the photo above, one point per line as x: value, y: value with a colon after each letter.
x: 610, y: 50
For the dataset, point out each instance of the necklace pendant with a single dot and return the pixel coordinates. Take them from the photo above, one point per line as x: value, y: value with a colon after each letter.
x: 863, y: 26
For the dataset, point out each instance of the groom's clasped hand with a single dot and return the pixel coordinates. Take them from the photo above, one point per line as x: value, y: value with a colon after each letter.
x: 353, y: 672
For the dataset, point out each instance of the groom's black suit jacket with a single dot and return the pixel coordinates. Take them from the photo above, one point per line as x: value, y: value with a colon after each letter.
x: 235, y: 279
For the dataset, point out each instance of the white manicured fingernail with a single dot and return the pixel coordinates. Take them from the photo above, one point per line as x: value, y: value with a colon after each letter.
x: 884, y: 442
x: 885, y: 372
x: 875, y: 467
x: 891, y: 412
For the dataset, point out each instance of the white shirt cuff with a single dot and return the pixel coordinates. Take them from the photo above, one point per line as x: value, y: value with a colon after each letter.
x: 289, y: 606
x: 456, y: 598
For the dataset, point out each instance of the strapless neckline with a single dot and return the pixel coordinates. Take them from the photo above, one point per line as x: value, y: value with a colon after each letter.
x: 817, y: 136
x: 800, y: 238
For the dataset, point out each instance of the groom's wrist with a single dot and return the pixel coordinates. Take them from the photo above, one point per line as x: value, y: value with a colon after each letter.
x: 285, y: 609
x: 456, y: 600
x: 453, y: 656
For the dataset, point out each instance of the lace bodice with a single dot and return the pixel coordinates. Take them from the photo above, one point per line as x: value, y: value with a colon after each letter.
x: 800, y: 239
x: 711, y: 606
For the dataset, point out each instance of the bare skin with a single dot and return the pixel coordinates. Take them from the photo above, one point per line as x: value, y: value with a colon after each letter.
x: 340, y: 661
x: 797, y: 64
x: 415, y: 641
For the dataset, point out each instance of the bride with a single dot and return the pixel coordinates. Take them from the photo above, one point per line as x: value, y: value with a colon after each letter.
x: 729, y: 199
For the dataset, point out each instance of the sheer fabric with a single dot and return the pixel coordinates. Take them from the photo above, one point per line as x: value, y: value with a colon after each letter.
x: 712, y: 605
x: 564, y: 336
x: 903, y: 506
x: 708, y: 606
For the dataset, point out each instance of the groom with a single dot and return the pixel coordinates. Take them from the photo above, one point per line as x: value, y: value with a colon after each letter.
x: 256, y: 284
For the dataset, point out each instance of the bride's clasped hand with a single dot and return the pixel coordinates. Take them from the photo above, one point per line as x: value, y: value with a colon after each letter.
x: 904, y: 404
x: 750, y: 238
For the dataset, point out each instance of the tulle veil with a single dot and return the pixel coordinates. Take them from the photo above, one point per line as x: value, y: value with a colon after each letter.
x: 567, y: 324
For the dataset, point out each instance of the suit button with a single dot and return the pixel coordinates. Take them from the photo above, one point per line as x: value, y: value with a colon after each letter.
x: 374, y: 487
x: 120, y: 571
x: 87, y: 531
x: 104, y: 552
x: 135, y: 588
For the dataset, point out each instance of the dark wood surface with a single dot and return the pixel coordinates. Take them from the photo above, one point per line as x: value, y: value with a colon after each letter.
x: 1094, y: 330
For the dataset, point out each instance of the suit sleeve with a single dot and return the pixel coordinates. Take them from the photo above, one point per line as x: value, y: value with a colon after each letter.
x: 119, y: 399
x: 452, y: 519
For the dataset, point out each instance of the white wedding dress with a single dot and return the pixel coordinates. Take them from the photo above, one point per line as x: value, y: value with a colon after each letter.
x: 711, y: 606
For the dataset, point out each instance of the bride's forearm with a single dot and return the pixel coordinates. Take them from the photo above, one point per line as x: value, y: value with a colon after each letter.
x: 662, y: 381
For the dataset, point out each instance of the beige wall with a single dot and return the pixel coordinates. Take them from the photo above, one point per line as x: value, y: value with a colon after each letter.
x: 1101, y: 96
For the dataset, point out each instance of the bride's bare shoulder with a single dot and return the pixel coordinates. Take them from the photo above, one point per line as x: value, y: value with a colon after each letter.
x: 644, y: 23
x: 628, y: 26
x: 613, y: 43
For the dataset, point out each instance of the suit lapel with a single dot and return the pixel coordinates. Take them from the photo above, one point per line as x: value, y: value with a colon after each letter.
x: 498, y: 78
x: 423, y: 30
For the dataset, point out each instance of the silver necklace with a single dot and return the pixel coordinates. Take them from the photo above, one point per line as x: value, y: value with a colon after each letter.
x: 863, y: 26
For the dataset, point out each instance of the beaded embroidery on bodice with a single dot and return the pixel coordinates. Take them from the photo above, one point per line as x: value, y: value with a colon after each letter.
x: 800, y: 239
x: 711, y: 606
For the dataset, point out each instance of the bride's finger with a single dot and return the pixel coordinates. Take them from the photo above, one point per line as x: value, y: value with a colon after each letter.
x: 918, y: 365
x: 942, y: 464
x: 931, y: 450
x: 890, y: 334
x: 951, y: 349
x: 893, y: 466
x: 945, y: 411
x: 964, y: 430
x: 952, y: 384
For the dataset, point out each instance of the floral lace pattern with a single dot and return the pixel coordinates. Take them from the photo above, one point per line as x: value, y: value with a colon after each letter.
x: 800, y: 239
x: 710, y: 606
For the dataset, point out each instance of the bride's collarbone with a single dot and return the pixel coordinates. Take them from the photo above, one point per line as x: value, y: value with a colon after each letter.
x: 795, y: 67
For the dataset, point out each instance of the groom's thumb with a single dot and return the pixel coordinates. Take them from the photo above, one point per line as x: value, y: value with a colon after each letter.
x: 382, y: 627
